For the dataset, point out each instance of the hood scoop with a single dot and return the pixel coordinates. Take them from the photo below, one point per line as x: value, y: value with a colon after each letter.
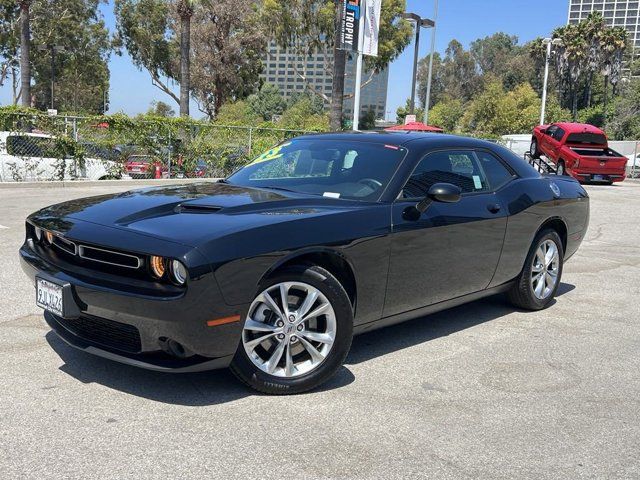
x: 197, y: 208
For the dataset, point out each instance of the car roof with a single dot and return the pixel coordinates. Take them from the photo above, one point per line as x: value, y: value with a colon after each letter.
x: 411, y: 140
x: 5, y: 134
x: 579, y: 128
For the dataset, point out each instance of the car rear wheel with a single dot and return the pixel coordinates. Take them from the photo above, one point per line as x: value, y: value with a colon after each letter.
x: 297, y: 332
x: 533, y: 149
x: 538, y: 283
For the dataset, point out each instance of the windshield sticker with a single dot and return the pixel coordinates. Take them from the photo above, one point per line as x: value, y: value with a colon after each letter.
x: 476, y: 182
x: 331, y: 195
x: 271, y: 154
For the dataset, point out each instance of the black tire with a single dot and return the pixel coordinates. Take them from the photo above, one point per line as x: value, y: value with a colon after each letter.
x: 521, y: 294
x: 324, y: 281
x: 533, y: 149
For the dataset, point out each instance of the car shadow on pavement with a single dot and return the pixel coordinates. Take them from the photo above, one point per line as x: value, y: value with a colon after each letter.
x: 408, y: 334
x: 189, y: 389
x: 220, y: 386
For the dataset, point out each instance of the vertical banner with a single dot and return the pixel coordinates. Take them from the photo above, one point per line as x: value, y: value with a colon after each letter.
x: 349, y: 25
x: 371, y: 27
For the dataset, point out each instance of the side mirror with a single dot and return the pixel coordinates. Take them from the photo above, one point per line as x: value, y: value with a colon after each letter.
x: 440, y: 192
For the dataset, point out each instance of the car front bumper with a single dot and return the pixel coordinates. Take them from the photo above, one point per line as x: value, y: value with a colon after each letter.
x: 135, y: 329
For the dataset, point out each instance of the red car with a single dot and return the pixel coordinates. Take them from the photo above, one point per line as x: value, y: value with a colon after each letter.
x: 579, y: 150
x: 143, y: 166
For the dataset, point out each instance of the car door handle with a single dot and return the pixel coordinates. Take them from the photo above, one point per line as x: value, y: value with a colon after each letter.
x: 493, y: 207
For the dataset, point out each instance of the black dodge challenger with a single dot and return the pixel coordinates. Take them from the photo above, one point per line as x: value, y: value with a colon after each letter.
x: 272, y: 270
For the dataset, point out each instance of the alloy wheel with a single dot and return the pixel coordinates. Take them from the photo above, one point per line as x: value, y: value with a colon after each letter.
x: 544, y: 269
x: 289, y: 330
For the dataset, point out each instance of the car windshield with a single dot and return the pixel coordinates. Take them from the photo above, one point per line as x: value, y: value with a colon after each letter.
x: 353, y: 170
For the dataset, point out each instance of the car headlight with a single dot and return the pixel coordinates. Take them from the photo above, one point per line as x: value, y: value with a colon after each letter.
x: 38, y: 233
x: 157, y: 266
x: 48, y: 236
x: 178, y: 272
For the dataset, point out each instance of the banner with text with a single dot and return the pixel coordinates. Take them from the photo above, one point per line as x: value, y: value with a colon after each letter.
x: 371, y: 27
x: 349, y: 25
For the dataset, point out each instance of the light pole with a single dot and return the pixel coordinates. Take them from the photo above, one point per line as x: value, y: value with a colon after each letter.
x: 427, y: 100
x: 548, y: 42
x: 420, y: 22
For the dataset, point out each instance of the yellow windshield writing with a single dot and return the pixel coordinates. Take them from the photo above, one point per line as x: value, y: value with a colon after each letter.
x: 271, y: 154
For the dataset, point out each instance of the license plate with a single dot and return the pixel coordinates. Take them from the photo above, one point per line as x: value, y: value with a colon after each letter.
x: 135, y: 169
x: 598, y: 177
x: 49, y: 296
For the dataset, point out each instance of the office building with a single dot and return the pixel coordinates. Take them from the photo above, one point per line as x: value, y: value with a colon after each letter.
x: 617, y: 13
x: 284, y: 68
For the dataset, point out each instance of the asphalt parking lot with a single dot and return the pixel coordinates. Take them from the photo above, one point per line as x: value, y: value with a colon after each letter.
x: 480, y: 391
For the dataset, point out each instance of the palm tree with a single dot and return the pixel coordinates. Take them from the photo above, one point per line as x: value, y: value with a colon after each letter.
x: 571, y: 57
x: 613, y: 42
x: 25, y: 61
x: 185, y: 11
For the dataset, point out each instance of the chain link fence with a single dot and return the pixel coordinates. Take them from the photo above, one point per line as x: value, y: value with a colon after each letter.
x: 40, y: 147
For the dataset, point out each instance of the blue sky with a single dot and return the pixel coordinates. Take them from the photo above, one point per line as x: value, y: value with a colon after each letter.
x: 466, y: 20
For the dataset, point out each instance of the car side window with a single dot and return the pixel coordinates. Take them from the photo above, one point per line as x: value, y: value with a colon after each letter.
x: 551, y: 130
x: 461, y: 168
x: 558, y: 134
x: 495, y: 171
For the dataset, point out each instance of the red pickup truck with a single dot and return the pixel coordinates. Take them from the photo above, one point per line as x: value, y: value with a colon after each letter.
x: 579, y: 150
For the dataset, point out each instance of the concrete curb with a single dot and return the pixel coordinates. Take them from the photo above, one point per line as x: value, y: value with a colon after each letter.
x: 104, y: 183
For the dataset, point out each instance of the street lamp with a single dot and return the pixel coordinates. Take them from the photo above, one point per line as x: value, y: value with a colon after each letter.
x: 548, y: 42
x: 420, y: 22
x: 53, y: 49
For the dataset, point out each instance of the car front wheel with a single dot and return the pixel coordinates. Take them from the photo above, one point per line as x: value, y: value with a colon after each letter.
x: 533, y: 149
x: 297, y: 332
x: 537, y: 284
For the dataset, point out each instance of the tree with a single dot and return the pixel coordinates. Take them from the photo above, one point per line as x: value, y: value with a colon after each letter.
x: 228, y: 43
x: 160, y: 109
x: 237, y: 113
x: 624, y: 121
x: 301, y: 116
x: 25, y: 59
x: 10, y: 46
x: 584, y: 49
x: 267, y: 102
x: 144, y: 30
x: 437, y: 79
x: 185, y: 12
x: 81, y: 68
x: 403, y: 111
x: 495, y: 112
x: 447, y: 114
x: 309, y: 26
x: 492, y: 53
x: 460, y: 75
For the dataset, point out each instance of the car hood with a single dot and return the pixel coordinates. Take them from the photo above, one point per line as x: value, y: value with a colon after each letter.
x: 193, y: 213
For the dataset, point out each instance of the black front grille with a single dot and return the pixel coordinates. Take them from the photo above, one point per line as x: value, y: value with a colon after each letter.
x: 107, y: 333
x: 109, y: 257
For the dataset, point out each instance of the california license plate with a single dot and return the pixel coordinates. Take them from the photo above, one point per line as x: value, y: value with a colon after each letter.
x: 49, y: 296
